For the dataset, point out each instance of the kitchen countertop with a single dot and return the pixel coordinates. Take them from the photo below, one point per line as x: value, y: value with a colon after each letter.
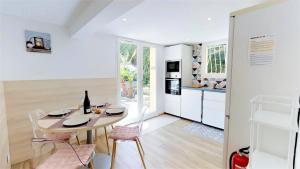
x: 205, y: 89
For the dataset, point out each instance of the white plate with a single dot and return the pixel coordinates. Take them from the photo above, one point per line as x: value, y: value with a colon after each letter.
x: 76, y: 121
x: 59, y: 112
x: 115, y: 107
x: 115, y: 110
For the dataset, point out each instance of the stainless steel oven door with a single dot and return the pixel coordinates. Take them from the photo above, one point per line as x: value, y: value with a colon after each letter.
x: 173, y: 86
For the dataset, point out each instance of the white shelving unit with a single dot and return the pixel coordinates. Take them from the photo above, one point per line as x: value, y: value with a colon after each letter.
x: 277, y: 114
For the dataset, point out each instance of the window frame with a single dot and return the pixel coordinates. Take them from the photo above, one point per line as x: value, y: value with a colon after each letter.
x: 205, y: 59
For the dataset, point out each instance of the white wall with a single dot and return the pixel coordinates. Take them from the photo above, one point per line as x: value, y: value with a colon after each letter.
x: 160, y: 79
x: 92, y: 57
x: 279, y: 78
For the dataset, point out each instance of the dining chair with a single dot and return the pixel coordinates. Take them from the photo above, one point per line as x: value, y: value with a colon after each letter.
x: 106, y: 138
x: 69, y: 157
x: 37, y: 133
x: 128, y: 133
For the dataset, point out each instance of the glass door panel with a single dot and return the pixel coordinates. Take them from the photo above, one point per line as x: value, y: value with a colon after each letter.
x: 128, y: 79
x: 149, y: 79
x: 137, y: 73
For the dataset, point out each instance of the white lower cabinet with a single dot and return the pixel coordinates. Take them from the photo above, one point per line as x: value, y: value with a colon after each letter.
x: 172, y: 104
x: 191, y: 104
x: 214, y: 109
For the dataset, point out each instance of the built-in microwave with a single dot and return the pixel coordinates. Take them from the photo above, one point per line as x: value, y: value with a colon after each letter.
x: 173, y: 86
x: 173, y: 69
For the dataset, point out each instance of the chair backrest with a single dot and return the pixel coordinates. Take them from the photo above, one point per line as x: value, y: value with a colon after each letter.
x: 142, y: 117
x: 34, y: 117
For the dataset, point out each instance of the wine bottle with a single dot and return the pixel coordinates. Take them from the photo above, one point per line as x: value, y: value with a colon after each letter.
x: 86, y: 104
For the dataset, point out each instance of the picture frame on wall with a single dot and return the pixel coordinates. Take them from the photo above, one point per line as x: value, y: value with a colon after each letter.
x: 38, y: 42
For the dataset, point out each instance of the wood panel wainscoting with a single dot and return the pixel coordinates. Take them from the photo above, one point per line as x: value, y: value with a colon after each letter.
x: 22, y: 97
x: 4, y: 145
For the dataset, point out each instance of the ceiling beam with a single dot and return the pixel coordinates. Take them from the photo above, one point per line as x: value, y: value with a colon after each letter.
x: 98, y: 14
x: 83, y: 16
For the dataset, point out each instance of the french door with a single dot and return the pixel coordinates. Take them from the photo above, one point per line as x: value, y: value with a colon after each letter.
x: 137, y: 77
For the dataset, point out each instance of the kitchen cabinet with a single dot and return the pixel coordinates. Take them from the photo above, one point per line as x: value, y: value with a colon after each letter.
x: 183, y: 53
x: 191, y: 104
x: 173, y: 52
x: 214, y: 109
x: 172, y: 104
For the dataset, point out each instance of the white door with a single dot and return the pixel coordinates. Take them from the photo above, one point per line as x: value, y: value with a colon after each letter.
x: 148, y: 83
x: 137, y: 78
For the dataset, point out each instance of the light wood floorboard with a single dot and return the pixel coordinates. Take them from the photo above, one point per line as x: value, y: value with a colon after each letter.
x: 169, y: 147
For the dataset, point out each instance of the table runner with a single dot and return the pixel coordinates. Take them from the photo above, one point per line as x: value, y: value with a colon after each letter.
x: 90, y: 123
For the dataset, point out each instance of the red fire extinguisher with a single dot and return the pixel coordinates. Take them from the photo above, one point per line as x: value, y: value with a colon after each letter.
x: 239, y: 159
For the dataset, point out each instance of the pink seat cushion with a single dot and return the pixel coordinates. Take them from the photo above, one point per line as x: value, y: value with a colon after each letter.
x: 124, y: 133
x: 59, y: 136
x: 65, y: 158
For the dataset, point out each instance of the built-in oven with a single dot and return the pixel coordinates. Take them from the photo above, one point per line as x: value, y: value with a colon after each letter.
x: 173, y: 86
x: 173, y: 69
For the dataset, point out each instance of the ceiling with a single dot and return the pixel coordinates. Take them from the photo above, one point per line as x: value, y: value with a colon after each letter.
x: 50, y: 11
x: 177, y: 21
x: 157, y: 21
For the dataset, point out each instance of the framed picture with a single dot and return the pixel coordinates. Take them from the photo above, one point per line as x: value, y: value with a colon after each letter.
x: 38, y: 42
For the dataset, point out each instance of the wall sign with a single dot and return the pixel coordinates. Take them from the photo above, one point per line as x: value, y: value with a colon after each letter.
x: 38, y: 42
x: 261, y: 50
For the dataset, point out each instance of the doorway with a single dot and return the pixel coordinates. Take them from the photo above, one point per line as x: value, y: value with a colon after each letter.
x: 137, y: 76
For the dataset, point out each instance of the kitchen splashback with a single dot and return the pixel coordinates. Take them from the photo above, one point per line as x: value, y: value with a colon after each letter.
x: 197, y: 62
x: 197, y: 75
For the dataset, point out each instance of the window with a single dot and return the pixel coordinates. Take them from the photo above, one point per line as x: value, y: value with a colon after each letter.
x: 216, y: 58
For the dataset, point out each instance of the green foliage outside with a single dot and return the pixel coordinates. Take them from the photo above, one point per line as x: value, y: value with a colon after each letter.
x: 146, y: 66
x: 216, y: 58
x: 128, y: 63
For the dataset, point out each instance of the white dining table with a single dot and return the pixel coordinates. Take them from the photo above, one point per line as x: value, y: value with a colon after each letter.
x: 101, y: 160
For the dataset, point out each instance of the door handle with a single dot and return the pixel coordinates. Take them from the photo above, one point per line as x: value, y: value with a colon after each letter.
x: 227, y: 116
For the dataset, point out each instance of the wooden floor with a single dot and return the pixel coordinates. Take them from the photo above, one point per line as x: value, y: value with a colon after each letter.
x: 169, y: 147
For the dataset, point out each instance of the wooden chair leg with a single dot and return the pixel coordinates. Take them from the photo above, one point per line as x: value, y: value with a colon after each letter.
x: 52, y: 151
x: 139, y: 141
x: 78, y: 142
x: 113, y: 156
x: 96, y: 135
x: 141, y: 155
x: 106, y: 137
x: 91, y: 164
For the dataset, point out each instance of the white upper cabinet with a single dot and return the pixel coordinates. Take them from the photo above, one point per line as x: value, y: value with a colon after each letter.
x: 184, y: 53
x: 173, y: 52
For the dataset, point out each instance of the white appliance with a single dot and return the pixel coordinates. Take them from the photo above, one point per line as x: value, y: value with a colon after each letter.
x: 173, y: 69
x: 191, y: 104
x: 213, y: 109
x: 173, y: 86
x: 280, y: 77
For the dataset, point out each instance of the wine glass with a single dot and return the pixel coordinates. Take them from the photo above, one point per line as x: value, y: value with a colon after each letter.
x: 80, y: 105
